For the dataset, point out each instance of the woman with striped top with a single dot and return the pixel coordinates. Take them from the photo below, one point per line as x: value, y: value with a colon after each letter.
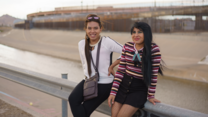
x: 136, y: 78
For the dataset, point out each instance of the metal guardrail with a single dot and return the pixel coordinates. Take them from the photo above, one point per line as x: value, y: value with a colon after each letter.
x: 61, y: 88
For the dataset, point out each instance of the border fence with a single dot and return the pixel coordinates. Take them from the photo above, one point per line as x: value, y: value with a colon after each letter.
x: 162, y: 16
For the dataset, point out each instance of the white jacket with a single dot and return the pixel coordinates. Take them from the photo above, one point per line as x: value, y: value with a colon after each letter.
x: 108, y: 46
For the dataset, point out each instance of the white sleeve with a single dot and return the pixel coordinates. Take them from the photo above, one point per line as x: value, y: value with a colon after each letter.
x: 114, y: 46
x: 80, y: 45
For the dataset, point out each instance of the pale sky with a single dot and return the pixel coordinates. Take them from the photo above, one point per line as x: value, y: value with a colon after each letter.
x: 20, y: 8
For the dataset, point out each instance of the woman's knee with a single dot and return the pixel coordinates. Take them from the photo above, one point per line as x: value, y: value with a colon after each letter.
x: 113, y: 115
x: 115, y: 109
x: 77, y: 93
x: 71, y: 97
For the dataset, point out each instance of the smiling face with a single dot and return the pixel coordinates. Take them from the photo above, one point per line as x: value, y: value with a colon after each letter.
x: 93, y: 30
x: 137, y: 36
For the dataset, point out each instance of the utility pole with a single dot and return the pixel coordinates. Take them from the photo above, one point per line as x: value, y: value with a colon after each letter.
x: 155, y: 19
x: 93, y: 4
x: 155, y: 5
x: 193, y: 2
x: 87, y: 7
x: 81, y: 6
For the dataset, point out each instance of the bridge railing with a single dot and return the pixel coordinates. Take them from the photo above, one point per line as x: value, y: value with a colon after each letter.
x: 61, y: 88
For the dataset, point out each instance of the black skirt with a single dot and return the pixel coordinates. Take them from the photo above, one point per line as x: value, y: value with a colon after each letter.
x: 132, y: 91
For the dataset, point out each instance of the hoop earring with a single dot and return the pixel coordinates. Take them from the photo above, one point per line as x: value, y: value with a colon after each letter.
x: 87, y: 37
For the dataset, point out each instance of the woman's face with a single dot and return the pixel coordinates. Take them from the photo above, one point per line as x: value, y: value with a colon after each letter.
x: 137, y: 36
x: 93, y: 30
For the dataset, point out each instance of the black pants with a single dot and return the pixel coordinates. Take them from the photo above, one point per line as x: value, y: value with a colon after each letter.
x: 85, y: 109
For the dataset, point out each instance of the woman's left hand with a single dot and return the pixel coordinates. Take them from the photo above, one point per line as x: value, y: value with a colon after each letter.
x: 153, y: 100
x: 111, y: 71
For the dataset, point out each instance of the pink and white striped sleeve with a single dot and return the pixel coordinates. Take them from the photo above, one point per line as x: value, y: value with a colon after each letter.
x: 156, y: 58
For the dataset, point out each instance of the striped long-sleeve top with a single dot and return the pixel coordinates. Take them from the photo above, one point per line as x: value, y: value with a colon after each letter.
x: 126, y: 66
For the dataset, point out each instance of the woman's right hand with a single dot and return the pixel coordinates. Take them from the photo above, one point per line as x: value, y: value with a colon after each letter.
x: 111, y: 99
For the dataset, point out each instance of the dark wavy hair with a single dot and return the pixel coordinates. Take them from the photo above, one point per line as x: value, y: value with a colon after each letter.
x: 87, y: 39
x: 146, y: 56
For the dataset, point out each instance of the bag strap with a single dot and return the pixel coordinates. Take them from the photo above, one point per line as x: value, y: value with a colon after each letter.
x: 97, y: 58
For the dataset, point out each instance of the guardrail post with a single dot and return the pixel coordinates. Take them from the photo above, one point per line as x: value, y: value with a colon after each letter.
x: 64, y: 102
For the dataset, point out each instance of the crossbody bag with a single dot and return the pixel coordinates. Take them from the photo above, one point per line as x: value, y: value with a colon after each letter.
x: 90, y: 89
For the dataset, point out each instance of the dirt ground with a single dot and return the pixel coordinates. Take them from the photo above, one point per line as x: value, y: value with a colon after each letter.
x: 4, y: 29
x: 7, y: 110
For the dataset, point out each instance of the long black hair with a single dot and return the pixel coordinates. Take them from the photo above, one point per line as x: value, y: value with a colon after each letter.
x: 146, y: 56
x: 87, y: 39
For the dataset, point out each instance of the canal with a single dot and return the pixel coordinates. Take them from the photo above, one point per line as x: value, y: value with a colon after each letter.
x: 173, y: 91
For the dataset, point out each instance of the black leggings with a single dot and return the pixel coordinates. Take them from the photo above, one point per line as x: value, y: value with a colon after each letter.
x: 85, y: 109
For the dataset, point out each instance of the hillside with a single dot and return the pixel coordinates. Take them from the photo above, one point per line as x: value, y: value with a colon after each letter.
x: 7, y: 20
